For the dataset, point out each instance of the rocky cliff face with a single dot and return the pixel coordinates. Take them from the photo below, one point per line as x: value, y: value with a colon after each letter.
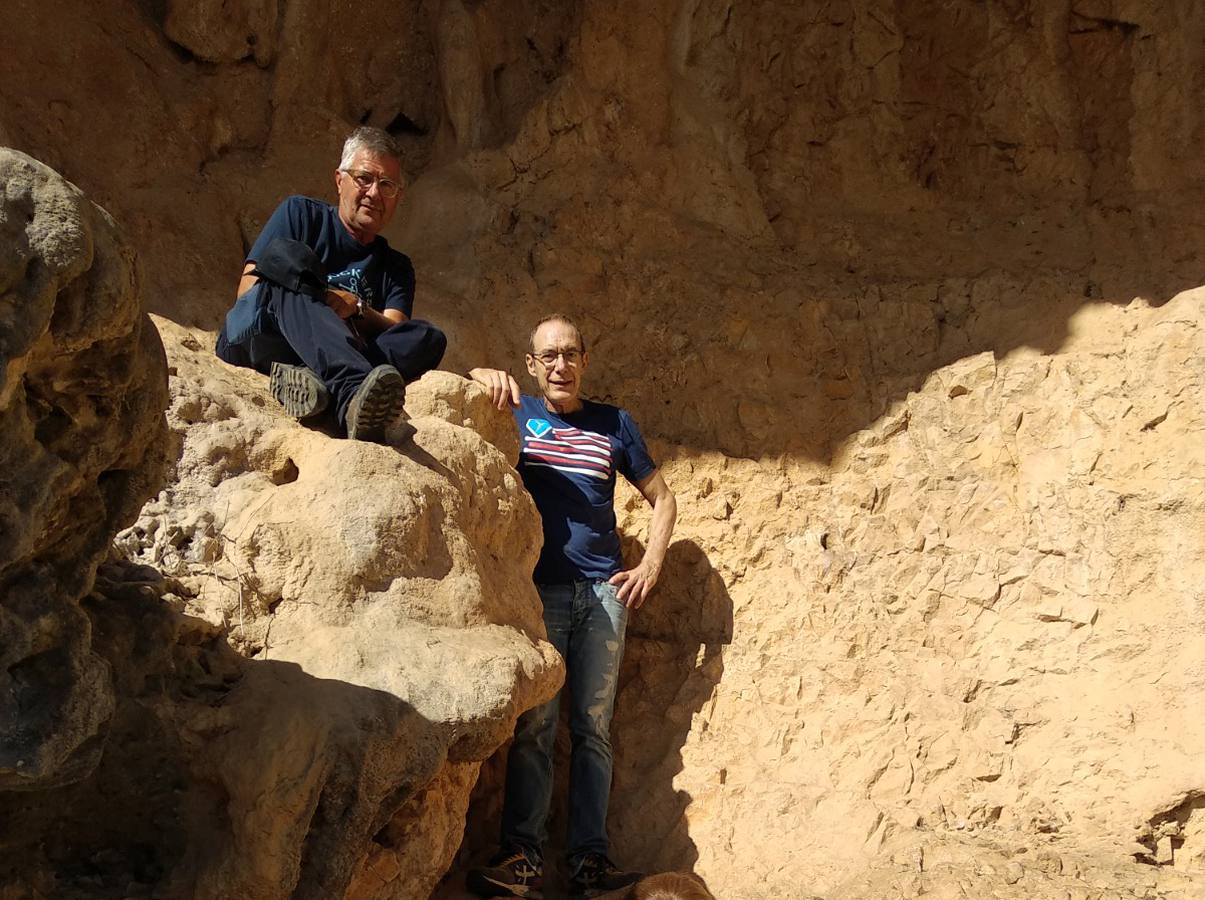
x: 865, y: 273
x: 252, y: 698
x: 965, y: 625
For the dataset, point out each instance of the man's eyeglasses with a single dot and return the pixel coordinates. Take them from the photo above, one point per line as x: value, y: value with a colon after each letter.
x: 548, y: 358
x: 365, y: 180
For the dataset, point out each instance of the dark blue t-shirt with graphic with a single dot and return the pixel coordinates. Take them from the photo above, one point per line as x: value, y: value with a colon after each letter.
x: 378, y: 273
x: 568, y: 464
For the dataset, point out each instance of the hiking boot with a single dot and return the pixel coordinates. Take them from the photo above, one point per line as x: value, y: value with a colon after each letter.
x: 510, y: 874
x: 376, y: 404
x: 298, y: 390
x: 594, y: 874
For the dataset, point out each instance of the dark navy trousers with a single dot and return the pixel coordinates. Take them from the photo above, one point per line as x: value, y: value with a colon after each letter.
x: 291, y: 327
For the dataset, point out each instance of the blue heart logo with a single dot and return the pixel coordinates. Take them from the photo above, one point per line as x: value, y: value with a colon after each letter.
x: 539, y: 427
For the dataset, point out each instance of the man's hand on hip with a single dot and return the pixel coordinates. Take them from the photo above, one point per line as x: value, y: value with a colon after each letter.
x: 635, y: 584
x: 345, y: 303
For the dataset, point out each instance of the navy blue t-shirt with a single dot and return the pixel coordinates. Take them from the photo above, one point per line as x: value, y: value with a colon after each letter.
x: 378, y: 273
x: 568, y: 464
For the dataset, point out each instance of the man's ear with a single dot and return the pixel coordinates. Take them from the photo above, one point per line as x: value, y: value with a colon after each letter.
x: 585, y: 361
x: 531, y: 366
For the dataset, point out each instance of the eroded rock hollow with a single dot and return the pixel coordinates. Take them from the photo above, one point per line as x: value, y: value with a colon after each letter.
x: 905, y: 298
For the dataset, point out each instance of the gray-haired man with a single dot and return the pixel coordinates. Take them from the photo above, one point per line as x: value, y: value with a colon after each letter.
x: 324, y: 302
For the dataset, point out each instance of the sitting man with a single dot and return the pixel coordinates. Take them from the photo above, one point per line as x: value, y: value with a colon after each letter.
x: 324, y: 303
x: 570, y: 451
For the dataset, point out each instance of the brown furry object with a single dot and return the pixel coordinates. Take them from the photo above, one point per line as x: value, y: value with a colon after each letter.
x: 671, y: 886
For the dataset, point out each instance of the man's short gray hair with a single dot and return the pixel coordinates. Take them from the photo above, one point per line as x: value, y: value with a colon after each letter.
x: 374, y: 140
x: 556, y: 317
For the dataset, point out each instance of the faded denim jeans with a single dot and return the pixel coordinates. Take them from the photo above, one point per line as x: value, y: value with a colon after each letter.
x: 585, y: 623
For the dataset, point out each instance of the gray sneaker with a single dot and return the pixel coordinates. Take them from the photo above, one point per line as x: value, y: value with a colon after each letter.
x: 376, y: 404
x: 298, y: 390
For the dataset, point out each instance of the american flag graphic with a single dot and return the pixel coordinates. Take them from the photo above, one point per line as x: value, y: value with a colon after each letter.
x: 567, y: 450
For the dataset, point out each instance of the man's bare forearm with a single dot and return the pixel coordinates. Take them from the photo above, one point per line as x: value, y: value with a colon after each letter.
x: 665, y: 514
x: 377, y: 322
x: 248, y: 280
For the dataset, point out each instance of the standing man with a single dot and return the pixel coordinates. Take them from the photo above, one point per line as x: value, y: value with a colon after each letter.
x: 324, y: 302
x: 571, y: 450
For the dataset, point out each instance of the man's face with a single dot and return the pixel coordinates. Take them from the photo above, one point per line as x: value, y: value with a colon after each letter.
x: 557, y: 363
x: 365, y: 211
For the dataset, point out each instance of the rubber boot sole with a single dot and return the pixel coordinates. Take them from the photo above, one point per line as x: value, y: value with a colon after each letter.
x: 298, y: 390
x: 377, y: 404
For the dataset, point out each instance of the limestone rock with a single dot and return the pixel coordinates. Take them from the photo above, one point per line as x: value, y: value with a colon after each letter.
x: 82, y: 387
x: 398, y: 575
x: 865, y: 274
x: 380, y: 597
x: 988, y: 654
x: 452, y: 399
x: 224, y: 32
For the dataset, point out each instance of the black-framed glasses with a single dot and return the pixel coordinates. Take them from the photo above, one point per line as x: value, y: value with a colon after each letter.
x: 548, y: 358
x: 365, y: 180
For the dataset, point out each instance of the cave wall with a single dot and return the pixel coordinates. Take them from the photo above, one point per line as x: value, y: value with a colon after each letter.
x: 866, y: 274
x: 830, y: 135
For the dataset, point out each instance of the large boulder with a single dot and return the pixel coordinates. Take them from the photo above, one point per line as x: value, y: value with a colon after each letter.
x: 287, y: 673
x: 380, y: 602
x: 82, y: 437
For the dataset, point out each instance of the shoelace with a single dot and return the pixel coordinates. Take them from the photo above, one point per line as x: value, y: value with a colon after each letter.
x: 527, y: 870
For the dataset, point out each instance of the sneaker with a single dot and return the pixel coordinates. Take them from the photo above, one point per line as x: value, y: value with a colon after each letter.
x: 510, y: 874
x: 594, y: 874
x: 298, y: 390
x: 376, y: 404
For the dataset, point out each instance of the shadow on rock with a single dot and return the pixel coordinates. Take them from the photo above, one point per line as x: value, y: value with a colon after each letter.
x: 673, y: 660
x: 220, y: 776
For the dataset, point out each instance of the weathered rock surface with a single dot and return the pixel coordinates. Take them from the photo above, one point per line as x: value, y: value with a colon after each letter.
x: 305, y: 647
x: 82, y: 388
x: 864, y: 273
x: 394, y: 581
x: 962, y: 660
x: 983, y: 618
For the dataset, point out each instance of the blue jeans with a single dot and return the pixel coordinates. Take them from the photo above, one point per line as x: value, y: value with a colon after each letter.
x: 585, y: 623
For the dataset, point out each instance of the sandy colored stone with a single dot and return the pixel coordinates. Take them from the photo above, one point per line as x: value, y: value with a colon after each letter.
x: 848, y: 699
x: 400, y: 571
x: 887, y: 288
x: 336, y: 688
x: 82, y: 386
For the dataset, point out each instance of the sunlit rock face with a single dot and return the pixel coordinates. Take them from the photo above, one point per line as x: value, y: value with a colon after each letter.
x: 380, y: 601
x: 887, y: 286
x: 300, y: 650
